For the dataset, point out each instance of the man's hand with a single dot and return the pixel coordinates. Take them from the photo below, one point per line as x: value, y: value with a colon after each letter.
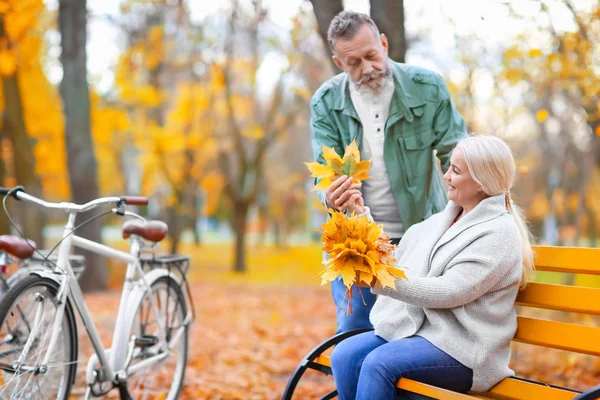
x: 355, y: 204
x: 340, y: 192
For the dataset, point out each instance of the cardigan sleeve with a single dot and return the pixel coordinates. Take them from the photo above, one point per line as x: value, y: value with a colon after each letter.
x: 473, y: 272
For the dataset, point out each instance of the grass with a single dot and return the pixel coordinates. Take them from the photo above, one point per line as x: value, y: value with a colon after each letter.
x: 291, y: 266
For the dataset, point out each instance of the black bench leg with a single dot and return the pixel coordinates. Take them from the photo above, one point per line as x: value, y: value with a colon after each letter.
x: 307, y: 363
x: 592, y: 394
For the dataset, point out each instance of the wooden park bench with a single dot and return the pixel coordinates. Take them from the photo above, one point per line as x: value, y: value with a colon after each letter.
x: 551, y: 334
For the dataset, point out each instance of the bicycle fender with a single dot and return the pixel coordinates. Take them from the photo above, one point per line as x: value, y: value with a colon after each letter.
x: 119, y: 352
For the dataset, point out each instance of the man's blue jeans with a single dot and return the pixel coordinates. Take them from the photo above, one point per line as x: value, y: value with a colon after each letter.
x: 360, y: 312
x: 366, y: 367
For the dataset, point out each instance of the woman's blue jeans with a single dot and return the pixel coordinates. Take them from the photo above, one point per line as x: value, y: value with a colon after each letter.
x: 366, y: 366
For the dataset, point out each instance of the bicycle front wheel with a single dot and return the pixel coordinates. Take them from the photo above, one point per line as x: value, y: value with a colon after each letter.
x: 162, y: 380
x: 27, y: 315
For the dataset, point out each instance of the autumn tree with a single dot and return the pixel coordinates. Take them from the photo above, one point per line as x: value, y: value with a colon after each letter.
x: 17, y: 44
x: 247, y: 134
x: 563, y: 96
x: 168, y: 106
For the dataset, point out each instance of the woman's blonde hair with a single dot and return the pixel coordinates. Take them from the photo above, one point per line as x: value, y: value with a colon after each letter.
x: 492, y: 165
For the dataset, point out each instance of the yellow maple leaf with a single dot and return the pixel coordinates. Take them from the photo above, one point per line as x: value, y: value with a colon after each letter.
x: 350, y: 165
x: 358, y: 252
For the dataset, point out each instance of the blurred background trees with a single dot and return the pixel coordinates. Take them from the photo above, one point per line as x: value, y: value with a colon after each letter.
x: 206, y: 109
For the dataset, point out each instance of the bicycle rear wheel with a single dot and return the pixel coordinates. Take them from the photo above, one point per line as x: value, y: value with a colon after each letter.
x: 165, y: 379
x: 29, y: 297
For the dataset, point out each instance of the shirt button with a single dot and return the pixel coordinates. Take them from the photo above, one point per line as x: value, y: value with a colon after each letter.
x: 376, y: 115
x: 378, y: 129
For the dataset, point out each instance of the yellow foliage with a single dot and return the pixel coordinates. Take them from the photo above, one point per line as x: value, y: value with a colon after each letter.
x: 558, y: 200
x: 20, y: 16
x: 217, y: 82
x: 153, y: 52
x: 511, y: 54
x: 358, y: 251
x: 302, y: 92
x: 538, y: 208
x: 513, y: 75
x: 336, y: 166
x: 535, y: 53
x: 541, y: 115
x: 8, y: 62
x: 254, y: 132
x: 573, y: 201
x: 212, y: 184
x: 242, y: 106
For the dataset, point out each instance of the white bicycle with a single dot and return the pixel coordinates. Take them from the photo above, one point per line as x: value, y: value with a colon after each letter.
x: 38, y: 330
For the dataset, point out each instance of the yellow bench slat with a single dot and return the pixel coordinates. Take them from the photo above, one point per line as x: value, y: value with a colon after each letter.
x: 323, y: 360
x: 516, y: 389
x: 559, y: 335
x: 432, y: 391
x: 577, y: 260
x: 559, y: 297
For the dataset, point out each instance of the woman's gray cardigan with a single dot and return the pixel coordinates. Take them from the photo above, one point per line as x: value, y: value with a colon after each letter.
x: 462, y: 283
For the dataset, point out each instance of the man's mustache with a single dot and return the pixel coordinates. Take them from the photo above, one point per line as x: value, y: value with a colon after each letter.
x: 367, y: 77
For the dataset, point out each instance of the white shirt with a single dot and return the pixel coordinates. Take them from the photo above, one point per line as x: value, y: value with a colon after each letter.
x: 377, y: 192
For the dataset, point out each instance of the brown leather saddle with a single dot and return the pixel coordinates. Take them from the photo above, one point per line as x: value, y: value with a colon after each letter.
x: 17, y: 246
x: 154, y: 231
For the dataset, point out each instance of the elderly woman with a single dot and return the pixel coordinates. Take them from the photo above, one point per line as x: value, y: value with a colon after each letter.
x: 450, y: 323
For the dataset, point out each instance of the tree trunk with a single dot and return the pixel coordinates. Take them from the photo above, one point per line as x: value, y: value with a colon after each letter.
x: 175, y: 228
x: 389, y: 17
x: 240, y: 216
x: 324, y: 11
x: 4, y: 223
x: 81, y: 161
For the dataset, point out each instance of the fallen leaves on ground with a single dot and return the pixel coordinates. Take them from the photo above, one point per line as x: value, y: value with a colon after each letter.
x: 249, y: 338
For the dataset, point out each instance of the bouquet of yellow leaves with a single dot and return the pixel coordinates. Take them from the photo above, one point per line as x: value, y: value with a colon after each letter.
x: 359, y: 252
x: 357, y: 248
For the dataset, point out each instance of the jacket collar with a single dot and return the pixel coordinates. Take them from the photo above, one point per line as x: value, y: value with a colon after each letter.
x: 406, y: 97
x: 443, y: 232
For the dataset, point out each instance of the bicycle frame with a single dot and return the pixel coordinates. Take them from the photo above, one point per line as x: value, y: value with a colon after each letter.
x: 114, y: 361
x: 114, y: 368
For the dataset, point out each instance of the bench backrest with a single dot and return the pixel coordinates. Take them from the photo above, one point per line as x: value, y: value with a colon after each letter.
x: 554, y: 334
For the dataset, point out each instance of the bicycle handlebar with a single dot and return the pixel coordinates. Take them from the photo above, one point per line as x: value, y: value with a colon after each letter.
x: 20, y: 194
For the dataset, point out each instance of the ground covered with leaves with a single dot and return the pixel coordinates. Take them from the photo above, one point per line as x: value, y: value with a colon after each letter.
x: 249, y: 338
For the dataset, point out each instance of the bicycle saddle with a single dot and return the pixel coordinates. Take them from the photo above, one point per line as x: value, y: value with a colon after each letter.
x: 155, y: 231
x: 17, y: 246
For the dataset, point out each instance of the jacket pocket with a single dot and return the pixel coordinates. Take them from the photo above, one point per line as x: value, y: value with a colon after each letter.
x: 417, y: 155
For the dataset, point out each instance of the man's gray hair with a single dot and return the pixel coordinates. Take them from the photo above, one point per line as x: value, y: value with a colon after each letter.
x: 346, y: 24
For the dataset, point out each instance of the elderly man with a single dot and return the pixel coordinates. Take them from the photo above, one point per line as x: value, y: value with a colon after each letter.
x: 399, y: 115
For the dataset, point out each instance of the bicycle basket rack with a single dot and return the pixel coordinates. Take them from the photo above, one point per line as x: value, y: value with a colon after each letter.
x: 172, y: 262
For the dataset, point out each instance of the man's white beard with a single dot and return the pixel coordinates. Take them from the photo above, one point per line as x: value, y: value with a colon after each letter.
x: 373, y: 88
